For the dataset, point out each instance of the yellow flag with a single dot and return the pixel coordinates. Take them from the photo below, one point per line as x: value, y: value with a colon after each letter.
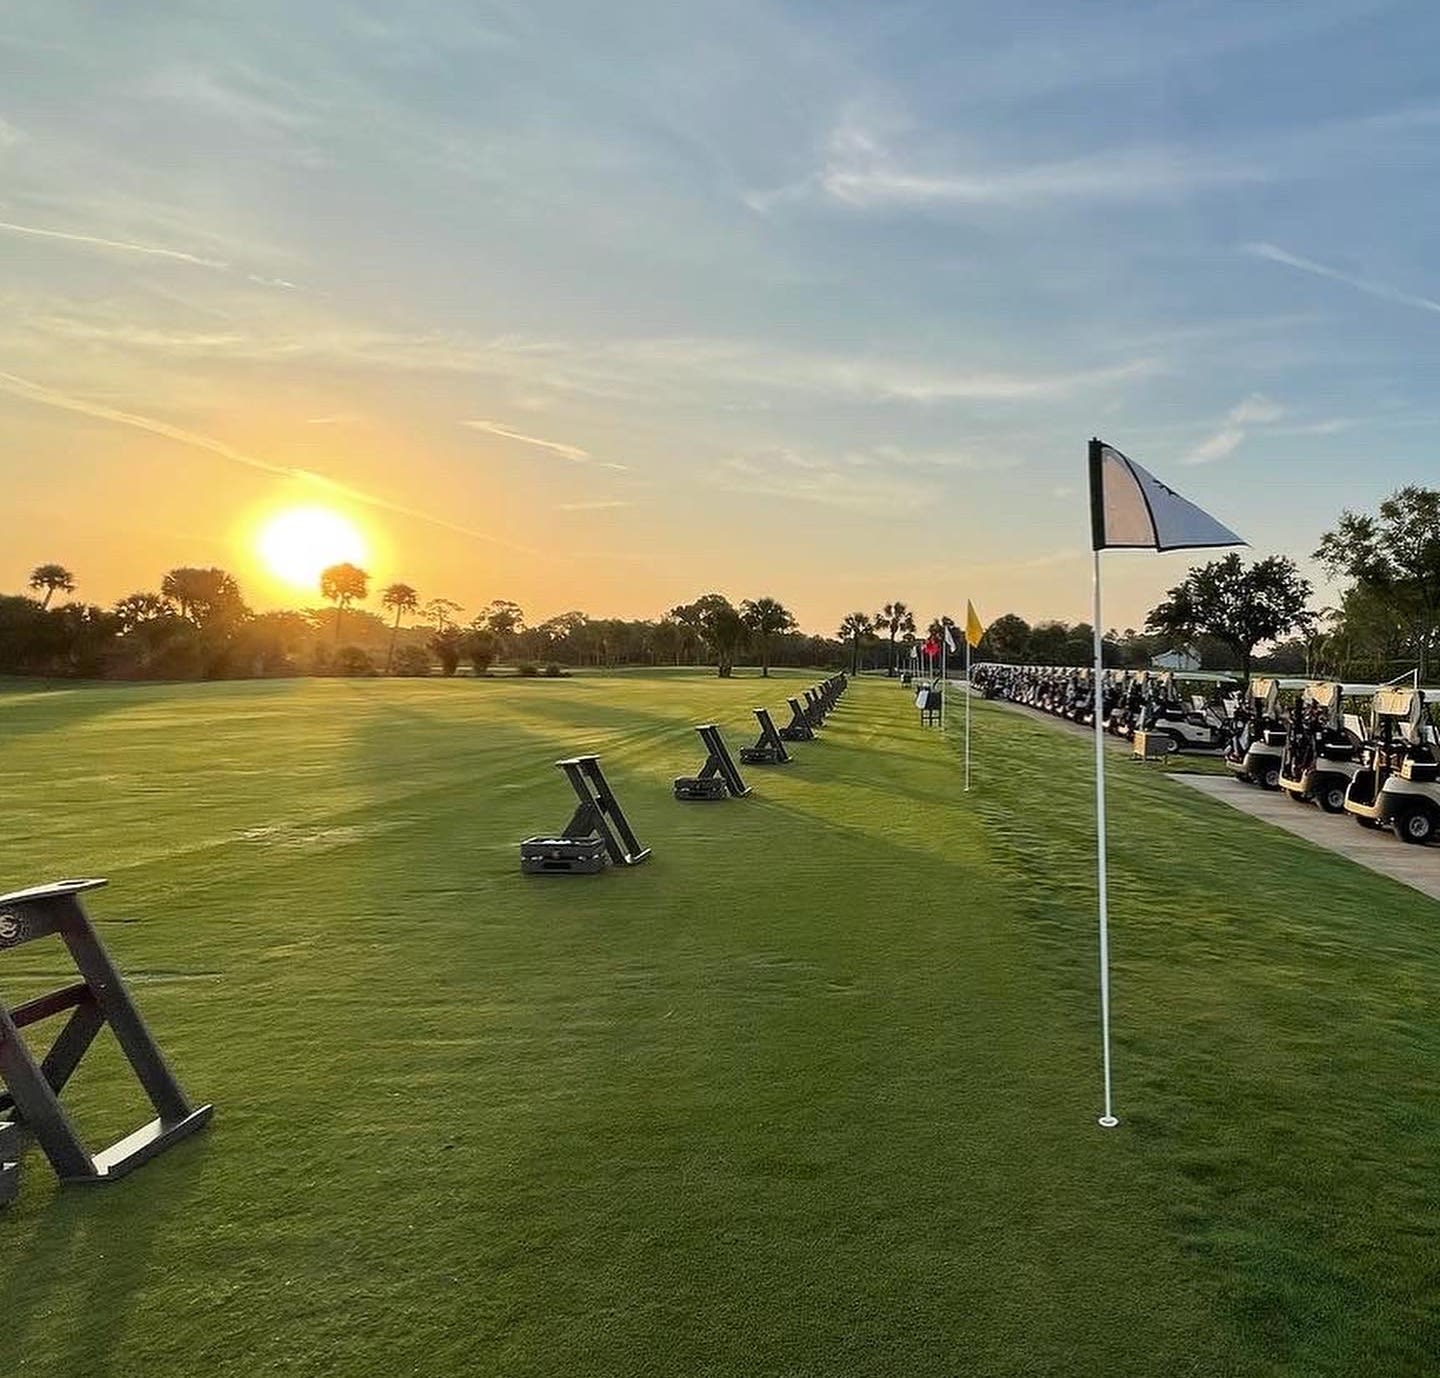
x: 973, y: 630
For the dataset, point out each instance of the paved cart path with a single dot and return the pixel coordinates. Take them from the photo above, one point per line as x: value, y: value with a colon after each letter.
x: 1377, y: 850
x: 1381, y: 851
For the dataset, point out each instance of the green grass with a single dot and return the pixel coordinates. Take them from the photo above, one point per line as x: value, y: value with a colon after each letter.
x: 811, y: 1093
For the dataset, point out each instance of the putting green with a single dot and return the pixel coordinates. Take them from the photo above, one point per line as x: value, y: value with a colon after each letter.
x: 810, y: 1093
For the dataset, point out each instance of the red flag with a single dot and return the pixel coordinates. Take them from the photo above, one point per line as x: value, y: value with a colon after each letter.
x: 932, y: 648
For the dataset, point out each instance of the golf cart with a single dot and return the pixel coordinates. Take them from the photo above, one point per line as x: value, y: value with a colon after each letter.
x: 1396, y: 785
x: 1191, y: 726
x: 1257, y: 745
x: 1323, y: 748
x: 1129, y: 700
x: 1080, y: 701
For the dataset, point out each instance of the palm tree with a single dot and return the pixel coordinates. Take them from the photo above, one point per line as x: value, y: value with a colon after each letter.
x: 138, y: 608
x: 344, y: 584
x: 53, y: 579
x: 764, y: 618
x: 202, y: 595
x: 403, y: 599
x: 895, y: 618
x: 855, y: 625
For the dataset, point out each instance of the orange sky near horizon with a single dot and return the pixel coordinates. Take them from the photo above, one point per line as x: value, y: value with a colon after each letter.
x: 469, y: 516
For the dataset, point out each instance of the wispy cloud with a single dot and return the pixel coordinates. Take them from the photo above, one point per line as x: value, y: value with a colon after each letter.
x: 1123, y: 175
x: 38, y: 393
x: 1255, y: 410
x: 572, y: 452
x: 869, y: 163
x: 1331, y: 426
x: 974, y: 461
x: 126, y: 246
x: 861, y: 170
x: 1272, y: 253
x: 758, y: 366
x: 780, y: 471
x: 119, y: 245
x: 694, y: 367
x: 248, y: 98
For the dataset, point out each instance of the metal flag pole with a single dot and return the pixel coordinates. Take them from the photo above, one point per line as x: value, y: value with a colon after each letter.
x: 1107, y: 1120
x: 967, y: 706
x: 944, y: 676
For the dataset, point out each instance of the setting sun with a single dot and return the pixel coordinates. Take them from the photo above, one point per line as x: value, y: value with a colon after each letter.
x: 296, y: 545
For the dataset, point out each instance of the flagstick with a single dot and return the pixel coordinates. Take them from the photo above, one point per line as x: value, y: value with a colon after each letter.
x: 1107, y: 1120
x: 944, y: 682
x: 967, y: 708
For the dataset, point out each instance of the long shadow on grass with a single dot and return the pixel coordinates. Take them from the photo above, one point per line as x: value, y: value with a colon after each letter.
x: 62, y: 710
x: 733, y: 1072
x: 92, y: 1245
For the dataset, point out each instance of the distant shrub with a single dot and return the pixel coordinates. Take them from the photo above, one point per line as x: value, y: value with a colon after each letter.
x: 446, y: 644
x: 553, y: 671
x: 528, y: 668
x: 321, y: 661
x: 411, y: 661
x: 353, y: 662
x: 482, y: 646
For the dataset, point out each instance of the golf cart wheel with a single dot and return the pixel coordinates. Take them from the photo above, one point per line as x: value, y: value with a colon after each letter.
x: 1415, y: 825
x: 1331, y: 798
x: 1172, y: 743
x: 1296, y: 797
x: 1271, y: 778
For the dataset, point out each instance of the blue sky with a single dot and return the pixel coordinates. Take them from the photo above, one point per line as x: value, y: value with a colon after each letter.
x: 603, y: 306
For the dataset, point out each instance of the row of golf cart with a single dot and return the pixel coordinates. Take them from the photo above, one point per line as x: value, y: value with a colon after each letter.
x: 1150, y: 701
x: 1372, y: 751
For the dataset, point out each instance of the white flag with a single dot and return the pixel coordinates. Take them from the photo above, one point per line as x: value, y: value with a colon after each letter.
x: 949, y: 640
x: 1131, y: 508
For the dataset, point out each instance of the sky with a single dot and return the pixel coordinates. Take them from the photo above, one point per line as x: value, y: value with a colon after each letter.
x: 606, y: 306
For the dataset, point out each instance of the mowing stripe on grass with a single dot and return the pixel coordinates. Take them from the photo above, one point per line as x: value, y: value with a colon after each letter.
x: 811, y: 1093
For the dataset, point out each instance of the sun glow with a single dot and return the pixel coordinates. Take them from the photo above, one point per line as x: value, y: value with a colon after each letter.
x: 297, y: 544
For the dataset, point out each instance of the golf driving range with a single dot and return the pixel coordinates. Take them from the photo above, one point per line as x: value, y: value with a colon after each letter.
x: 812, y: 1091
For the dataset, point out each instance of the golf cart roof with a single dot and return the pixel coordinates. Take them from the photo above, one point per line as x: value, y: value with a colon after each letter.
x: 1326, y: 692
x: 1208, y: 676
x: 1261, y: 688
x: 1399, y: 703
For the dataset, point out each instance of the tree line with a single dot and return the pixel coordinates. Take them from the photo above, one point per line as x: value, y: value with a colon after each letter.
x: 197, y: 625
x: 1387, y: 620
